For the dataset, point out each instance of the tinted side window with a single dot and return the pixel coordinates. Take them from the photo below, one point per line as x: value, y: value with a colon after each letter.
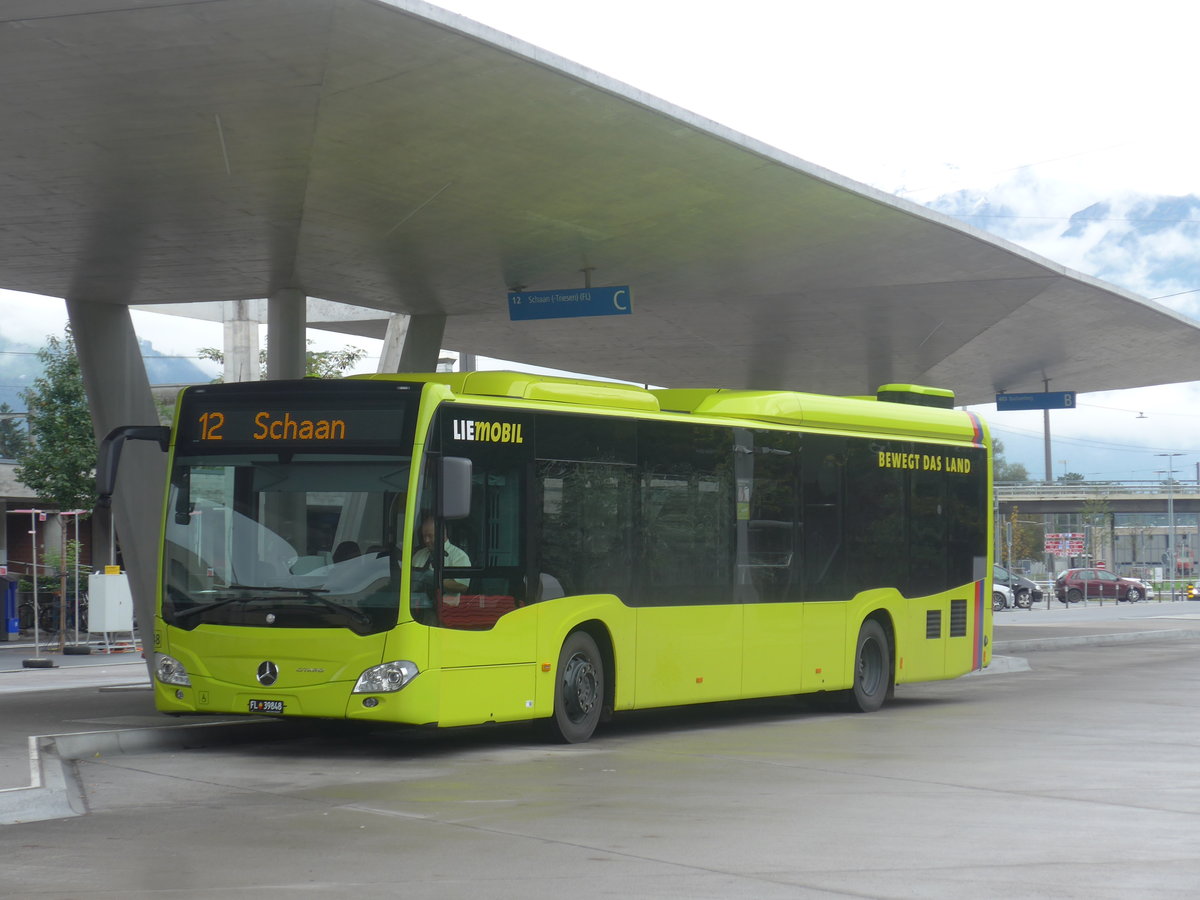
x: 927, y: 523
x: 584, y: 543
x: 584, y: 491
x: 876, y: 533
x: 686, y: 523
x: 824, y: 462
x: 966, y: 489
x: 890, y: 514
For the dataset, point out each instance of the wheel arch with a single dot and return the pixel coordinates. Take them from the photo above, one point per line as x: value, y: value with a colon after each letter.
x: 600, y: 633
x: 884, y: 618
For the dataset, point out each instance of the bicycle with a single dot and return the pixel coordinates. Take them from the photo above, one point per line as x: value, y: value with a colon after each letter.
x: 48, y: 610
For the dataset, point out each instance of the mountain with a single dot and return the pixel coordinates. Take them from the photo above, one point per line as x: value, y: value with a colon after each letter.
x: 20, y: 366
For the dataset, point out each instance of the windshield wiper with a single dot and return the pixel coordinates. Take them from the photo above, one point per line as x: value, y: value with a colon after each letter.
x: 215, y: 604
x: 301, y: 593
x: 279, y: 589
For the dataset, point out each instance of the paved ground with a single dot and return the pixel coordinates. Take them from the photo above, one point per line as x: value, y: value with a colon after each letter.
x: 1076, y: 777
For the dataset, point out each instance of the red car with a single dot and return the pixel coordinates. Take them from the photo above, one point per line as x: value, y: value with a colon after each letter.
x: 1074, y: 585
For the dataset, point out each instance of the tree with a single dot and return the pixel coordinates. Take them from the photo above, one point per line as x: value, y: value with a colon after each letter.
x: 1100, y: 524
x: 1071, y: 478
x: 58, y: 460
x: 1002, y: 469
x: 12, y: 434
x: 318, y: 363
x: 1025, y: 538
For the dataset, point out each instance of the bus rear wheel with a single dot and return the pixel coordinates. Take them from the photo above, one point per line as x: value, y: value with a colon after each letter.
x: 872, y: 668
x: 578, y: 689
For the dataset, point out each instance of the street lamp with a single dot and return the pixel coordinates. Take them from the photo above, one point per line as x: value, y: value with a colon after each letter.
x: 1170, y: 473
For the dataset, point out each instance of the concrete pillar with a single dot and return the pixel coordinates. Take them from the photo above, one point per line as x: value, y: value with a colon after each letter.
x: 241, y: 342
x: 412, y: 343
x: 285, y: 334
x: 119, y: 394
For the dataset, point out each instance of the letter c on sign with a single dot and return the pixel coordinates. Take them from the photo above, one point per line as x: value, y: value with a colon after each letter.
x: 617, y: 302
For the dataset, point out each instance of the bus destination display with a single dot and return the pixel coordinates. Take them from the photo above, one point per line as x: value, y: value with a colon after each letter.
x: 210, y: 426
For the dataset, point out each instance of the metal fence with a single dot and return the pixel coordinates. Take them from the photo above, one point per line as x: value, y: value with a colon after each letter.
x: 1165, y: 591
x: 1093, y: 490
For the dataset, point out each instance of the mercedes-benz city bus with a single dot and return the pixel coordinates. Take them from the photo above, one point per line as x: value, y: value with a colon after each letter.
x: 455, y: 549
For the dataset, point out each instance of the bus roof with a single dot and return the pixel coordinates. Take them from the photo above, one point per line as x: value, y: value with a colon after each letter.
x: 910, y: 410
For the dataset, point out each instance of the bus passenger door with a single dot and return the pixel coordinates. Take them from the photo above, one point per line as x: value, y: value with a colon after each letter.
x: 768, y: 561
x: 689, y: 621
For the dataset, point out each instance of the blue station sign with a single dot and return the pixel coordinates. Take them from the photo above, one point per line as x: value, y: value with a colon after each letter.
x: 1044, y: 400
x: 614, y: 300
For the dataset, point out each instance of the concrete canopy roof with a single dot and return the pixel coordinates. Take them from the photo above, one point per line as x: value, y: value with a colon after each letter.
x: 395, y: 156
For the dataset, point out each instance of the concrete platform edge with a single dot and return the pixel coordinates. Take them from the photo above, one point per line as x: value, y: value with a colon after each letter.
x: 55, y: 791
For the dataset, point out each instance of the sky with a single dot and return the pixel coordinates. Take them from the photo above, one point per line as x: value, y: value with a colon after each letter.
x: 1046, y: 107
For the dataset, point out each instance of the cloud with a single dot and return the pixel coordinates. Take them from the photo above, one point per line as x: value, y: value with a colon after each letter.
x: 1147, y: 244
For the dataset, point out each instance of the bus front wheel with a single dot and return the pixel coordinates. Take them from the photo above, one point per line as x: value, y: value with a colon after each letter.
x: 578, y: 689
x: 872, y: 668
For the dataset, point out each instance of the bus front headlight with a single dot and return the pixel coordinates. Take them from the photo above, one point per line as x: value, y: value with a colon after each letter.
x: 169, y: 670
x: 386, y: 677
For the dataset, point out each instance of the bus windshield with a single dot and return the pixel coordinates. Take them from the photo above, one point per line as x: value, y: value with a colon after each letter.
x: 285, y: 539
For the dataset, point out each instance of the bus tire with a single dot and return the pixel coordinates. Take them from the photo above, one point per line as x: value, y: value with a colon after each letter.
x: 872, y: 668
x: 578, y: 689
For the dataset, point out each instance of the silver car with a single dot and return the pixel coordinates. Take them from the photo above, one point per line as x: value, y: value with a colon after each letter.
x: 1025, y: 592
x: 1002, y: 597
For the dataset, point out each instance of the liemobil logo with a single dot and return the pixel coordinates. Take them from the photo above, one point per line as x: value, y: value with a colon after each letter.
x: 488, y: 432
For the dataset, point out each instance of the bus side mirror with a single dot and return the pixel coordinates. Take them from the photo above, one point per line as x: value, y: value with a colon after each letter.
x: 456, y: 487
x: 109, y: 458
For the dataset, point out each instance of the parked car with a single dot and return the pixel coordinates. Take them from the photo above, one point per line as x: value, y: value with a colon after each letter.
x: 1002, y: 597
x: 1074, y: 585
x: 1024, y: 590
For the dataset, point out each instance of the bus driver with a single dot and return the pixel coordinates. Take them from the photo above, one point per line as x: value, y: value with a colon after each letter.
x: 452, y: 557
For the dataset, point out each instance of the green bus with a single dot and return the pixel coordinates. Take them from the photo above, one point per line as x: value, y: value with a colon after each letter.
x: 455, y: 549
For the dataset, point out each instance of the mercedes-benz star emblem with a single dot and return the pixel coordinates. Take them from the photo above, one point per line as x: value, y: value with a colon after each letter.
x: 267, y: 673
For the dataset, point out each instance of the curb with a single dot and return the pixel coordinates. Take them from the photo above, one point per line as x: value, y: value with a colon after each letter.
x: 56, y: 791
x: 1081, y: 640
x: 1001, y: 665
